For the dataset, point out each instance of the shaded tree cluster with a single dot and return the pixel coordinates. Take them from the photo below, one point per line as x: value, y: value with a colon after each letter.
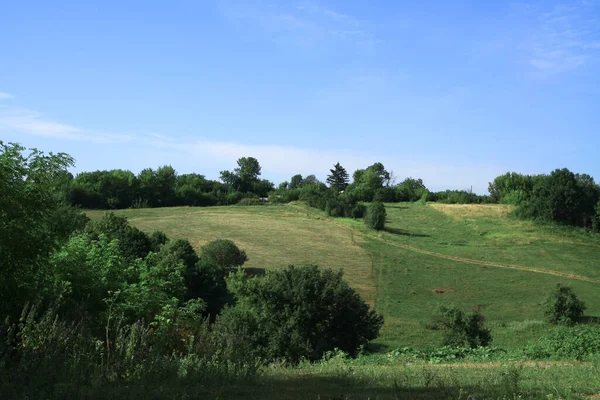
x: 562, y: 196
x: 163, y: 187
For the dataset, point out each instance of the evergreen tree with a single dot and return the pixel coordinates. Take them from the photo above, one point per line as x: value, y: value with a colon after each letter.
x: 338, y: 178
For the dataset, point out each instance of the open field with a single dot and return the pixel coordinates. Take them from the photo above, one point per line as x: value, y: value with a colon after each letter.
x: 469, y: 255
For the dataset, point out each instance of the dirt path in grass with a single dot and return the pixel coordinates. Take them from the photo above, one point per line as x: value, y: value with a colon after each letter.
x: 468, y: 260
x: 486, y: 263
x: 463, y: 260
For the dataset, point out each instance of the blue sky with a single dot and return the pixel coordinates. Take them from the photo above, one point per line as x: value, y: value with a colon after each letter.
x: 455, y: 93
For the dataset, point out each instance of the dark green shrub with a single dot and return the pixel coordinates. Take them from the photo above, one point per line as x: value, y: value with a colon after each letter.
x: 562, y: 306
x: 375, y: 216
x: 157, y: 238
x: 133, y: 242
x: 461, y: 329
x: 300, y: 313
x: 222, y: 254
x: 359, y: 211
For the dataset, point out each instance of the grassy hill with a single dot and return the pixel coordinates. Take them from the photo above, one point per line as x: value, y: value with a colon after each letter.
x: 468, y: 255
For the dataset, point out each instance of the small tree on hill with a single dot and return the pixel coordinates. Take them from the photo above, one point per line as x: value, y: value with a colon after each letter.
x: 338, y: 178
x: 222, y: 254
x: 461, y: 329
x: 562, y: 306
x: 375, y: 216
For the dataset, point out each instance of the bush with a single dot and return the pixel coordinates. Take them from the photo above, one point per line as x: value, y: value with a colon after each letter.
x: 462, y: 329
x: 563, y: 307
x: 359, y: 211
x: 375, y: 216
x: 578, y: 342
x: 222, y: 254
x: 133, y: 242
x: 300, y: 313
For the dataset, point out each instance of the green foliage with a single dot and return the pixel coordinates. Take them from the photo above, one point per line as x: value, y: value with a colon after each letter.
x: 359, y: 210
x: 596, y: 219
x: 33, y: 220
x: 409, y: 190
x: 511, y: 188
x: 300, y: 312
x: 223, y: 254
x: 375, y: 216
x: 84, y: 271
x: 562, y: 306
x: 44, y: 356
x: 447, y: 354
x: 338, y: 178
x: 462, y: 329
x: 244, y: 178
x: 262, y: 187
x: 157, y: 239
x: 368, y: 183
x: 459, y: 197
x: 117, y: 189
x: 296, y: 182
x: 562, y: 197
x: 132, y: 242
x: 578, y: 342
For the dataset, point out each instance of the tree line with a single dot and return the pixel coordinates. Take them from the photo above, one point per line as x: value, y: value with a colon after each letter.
x: 163, y: 187
x: 562, y: 196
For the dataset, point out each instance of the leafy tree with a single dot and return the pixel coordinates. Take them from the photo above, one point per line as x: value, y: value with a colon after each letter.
x: 562, y: 306
x: 462, y: 329
x: 223, y: 254
x: 296, y: 182
x: 248, y: 169
x: 132, y: 242
x: 157, y: 239
x: 85, y: 270
x: 166, y: 179
x: 310, y: 180
x: 511, y: 188
x: 379, y: 170
x: 300, y: 312
x: 338, y: 178
x: 262, y: 187
x: 34, y: 220
x: 148, y: 187
x: 410, y: 189
x: 375, y: 216
x: 244, y: 176
x: 285, y: 185
x: 562, y: 197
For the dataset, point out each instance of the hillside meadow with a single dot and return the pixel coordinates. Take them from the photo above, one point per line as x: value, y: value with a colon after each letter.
x: 472, y: 256
x: 428, y: 255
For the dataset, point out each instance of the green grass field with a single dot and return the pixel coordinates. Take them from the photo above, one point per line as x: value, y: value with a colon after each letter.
x: 428, y: 255
x: 468, y: 255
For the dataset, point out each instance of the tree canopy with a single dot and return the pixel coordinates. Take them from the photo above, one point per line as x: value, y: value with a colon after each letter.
x: 338, y: 178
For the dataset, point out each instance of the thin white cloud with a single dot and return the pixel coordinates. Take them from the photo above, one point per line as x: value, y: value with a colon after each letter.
x: 282, y: 162
x: 563, y: 38
x: 6, y: 96
x: 305, y: 25
x: 27, y: 122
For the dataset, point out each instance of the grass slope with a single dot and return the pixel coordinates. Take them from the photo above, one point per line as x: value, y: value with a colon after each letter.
x: 472, y: 256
